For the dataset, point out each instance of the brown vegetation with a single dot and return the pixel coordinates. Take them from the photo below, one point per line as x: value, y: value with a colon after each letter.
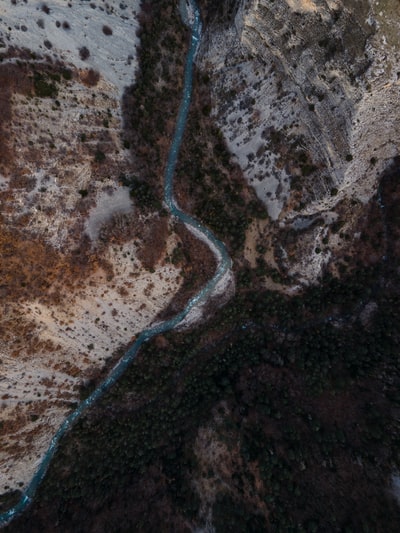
x: 153, y: 234
x: 30, y: 268
x: 89, y: 77
x: 13, y: 79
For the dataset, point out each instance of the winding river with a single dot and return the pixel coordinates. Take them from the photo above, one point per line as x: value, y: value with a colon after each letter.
x: 224, y: 264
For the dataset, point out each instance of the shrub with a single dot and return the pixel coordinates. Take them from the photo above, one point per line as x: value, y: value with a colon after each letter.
x: 177, y: 255
x: 90, y: 77
x: 84, y: 53
x: 307, y: 169
x: 67, y: 74
x: 44, y: 89
x: 142, y: 192
x: 99, y: 156
x: 107, y: 30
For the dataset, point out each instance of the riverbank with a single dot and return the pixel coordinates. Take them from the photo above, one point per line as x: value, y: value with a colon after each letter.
x: 223, y: 266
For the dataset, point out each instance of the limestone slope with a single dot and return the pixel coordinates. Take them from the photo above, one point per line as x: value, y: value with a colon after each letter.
x: 78, y: 277
x: 306, y: 94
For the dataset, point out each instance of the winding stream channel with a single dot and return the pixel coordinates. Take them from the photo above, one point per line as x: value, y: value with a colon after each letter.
x: 224, y: 263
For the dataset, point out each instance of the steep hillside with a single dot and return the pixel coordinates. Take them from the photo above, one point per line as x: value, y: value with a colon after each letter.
x: 83, y: 269
x: 307, y: 96
x: 281, y: 412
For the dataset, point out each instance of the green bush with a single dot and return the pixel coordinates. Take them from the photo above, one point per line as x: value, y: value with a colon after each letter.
x: 44, y: 88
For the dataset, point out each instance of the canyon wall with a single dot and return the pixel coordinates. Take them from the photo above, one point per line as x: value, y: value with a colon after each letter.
x: 306, y: 95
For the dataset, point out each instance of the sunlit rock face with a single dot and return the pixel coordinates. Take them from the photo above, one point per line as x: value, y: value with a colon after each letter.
x: 306, y: 94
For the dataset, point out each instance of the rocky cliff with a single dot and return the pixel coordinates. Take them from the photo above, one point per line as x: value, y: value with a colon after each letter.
x: 306, y: 94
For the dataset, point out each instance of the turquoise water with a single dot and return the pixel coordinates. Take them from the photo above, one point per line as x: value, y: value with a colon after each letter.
x: 147, y: 334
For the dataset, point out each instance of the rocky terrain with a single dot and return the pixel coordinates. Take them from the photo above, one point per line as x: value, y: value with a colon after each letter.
x: 306, y: 94
x: 281, y: 412
x: 82, y: 269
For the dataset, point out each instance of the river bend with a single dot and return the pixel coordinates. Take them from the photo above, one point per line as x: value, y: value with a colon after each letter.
x: 224, y: 264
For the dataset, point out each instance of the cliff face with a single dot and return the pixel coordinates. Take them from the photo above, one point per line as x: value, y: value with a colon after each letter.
x: 306, y: 94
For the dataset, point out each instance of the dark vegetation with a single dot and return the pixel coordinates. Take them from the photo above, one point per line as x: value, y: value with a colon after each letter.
x: 306, y: 393
x: 149, y: 106
x: 310, y: 390
x: 45, y: 87
x: 107, y: 30
x: 220, y: 12
x: 142, y: 192
x: 99, y: 156
x: 207, y: 184
x: 84, y: 53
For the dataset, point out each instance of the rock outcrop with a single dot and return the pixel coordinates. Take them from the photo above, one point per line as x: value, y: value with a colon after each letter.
x: 306, y: 93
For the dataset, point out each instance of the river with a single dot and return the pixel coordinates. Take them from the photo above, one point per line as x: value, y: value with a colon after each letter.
x: 224, y: 264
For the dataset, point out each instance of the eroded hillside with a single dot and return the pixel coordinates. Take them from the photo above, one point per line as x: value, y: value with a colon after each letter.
x: 280, y: 413
x: 306, y: 94
x: 83, y: 269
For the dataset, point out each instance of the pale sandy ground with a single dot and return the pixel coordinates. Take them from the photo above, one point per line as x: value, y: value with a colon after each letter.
x: 113, y: 55
x: 108, y: 204
x: 84, y: 334
x: 63, y: 164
